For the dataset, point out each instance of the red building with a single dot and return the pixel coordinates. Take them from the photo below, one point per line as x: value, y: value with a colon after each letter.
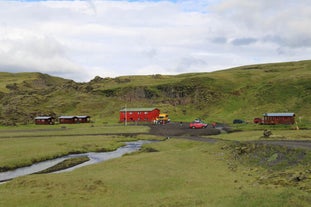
x: 74, y: 119
x: 84, y: 119
x: 278, y: 118
x: 68, y: 119
x: 139, y: 114
x: 44, y: 120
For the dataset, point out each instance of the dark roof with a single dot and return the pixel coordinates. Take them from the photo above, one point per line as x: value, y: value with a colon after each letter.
x: 137, y: 109
x: 279, y: 114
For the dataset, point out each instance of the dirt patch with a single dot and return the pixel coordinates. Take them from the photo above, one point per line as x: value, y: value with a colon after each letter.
x: 182, y: 130
x: 177, y: 130
x: 295, y: 144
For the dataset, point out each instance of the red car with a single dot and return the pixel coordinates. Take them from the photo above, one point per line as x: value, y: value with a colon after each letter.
x: 197, y: 124
x: 257, y: 120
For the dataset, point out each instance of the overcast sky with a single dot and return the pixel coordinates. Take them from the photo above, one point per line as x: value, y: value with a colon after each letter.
x: 79, y: 40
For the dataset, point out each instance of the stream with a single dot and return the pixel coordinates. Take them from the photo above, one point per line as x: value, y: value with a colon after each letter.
x: 95, y: 157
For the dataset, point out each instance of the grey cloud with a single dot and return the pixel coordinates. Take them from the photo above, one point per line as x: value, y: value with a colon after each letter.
x: 289, y: 41
x: 151, y: 53
x: 188, y: 63
x: 273, y: 38
x: 13, y: 69
x: 219, y: 40
x: 243, y: 41
x: 298, y: 42
x: 285, y: 22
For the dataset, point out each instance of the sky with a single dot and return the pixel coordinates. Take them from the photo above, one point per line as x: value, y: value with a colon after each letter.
x: 79, y: 40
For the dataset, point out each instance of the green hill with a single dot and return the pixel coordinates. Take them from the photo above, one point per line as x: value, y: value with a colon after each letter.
x: 243, y: 92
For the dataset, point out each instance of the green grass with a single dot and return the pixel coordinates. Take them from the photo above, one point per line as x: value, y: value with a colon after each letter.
x: 17, y: 152
x: 25, y: 146
x: 180, y: 173
x: 69, y: 130
x: 277, y: 134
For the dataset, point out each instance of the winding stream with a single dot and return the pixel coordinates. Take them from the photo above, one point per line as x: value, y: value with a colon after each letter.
x: 95, y: 157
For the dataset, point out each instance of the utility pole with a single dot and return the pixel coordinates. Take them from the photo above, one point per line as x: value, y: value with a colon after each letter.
x: 125, y: 116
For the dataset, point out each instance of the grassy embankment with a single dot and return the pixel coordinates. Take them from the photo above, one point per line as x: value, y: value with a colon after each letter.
x: 24, y: 146
x: 174, y: 173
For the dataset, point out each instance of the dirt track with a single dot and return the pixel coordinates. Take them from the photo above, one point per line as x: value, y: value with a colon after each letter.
x: 183, y: 131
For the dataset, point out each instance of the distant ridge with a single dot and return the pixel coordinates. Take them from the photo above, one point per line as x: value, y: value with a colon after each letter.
x: 242, y: 92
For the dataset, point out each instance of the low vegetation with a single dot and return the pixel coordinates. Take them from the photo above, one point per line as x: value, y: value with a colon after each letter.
x: 174, y: 172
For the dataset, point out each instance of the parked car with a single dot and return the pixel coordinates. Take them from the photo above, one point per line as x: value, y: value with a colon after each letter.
x: 238, y: 121
x: 197, y: 124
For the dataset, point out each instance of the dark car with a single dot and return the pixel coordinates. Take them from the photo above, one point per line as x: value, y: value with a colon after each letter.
x: 238, y: 121
x: 198, y: 124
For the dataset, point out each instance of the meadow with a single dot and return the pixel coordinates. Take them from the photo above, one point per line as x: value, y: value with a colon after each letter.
x: 23, y: 146
x: 173, y: 172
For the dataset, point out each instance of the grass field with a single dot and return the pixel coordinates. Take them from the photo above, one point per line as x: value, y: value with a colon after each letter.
x: 175, y: 173
x: 24, y: 146
x: 68, y: 130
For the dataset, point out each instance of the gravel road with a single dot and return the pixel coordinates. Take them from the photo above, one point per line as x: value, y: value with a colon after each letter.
x: 177, y: 130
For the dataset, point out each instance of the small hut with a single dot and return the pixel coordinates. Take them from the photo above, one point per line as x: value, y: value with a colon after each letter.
x: 84, y: 119
x: 279, y: 118
x: 44, y: 120
x: 68, y: 119
x: 74, y: 119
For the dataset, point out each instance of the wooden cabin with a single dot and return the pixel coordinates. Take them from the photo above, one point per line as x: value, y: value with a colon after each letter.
x: 84, y: 119
x: 68, y: 119
x: 139, y: 114
x: 278, y: 118
x: 74, y: 119
x: 44, y: 120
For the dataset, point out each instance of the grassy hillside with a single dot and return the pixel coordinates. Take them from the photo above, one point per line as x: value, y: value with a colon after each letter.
x: 244, y: 92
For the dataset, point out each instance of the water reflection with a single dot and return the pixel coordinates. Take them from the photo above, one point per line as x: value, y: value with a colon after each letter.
x: 94, y: 157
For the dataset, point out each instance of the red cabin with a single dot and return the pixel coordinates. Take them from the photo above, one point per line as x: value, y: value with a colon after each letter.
x: 74, y: 119
x: 44, y: 120
x: 84, y: 119
x: 68, y: 119
x: 278, y: 118
x: 139, y: 114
